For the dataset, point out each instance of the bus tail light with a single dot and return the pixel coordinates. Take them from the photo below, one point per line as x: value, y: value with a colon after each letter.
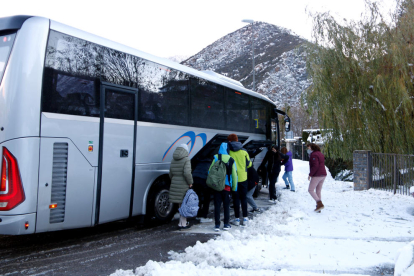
x: 11, y: 188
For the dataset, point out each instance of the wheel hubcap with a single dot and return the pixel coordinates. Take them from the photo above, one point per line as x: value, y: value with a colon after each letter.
x: 162, y: 204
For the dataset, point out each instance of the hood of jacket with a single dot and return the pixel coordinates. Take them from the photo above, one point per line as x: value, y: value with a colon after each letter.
x: 180, y: 153
x: 235, y: 146
x: 223, y: 148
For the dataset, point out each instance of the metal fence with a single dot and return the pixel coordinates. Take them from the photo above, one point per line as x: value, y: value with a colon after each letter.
x: 391, y: 172
x: 299, y: 152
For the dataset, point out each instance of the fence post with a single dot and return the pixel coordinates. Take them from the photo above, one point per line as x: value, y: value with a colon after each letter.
x: 395, y: 173
x: 362, y: 169
x: 369, y: 169
x: 303, y: 154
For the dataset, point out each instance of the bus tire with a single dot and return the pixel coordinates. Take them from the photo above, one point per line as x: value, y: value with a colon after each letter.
x: 158, y: 206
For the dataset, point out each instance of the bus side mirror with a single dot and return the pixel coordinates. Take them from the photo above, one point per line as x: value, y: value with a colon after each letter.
x: 287, y: 123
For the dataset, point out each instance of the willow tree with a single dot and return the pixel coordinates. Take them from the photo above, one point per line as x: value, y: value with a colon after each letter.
x: 363, y: 75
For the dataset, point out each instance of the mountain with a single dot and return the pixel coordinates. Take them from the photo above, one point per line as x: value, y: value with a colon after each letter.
x: 280, y: 61
x: 178, y: 58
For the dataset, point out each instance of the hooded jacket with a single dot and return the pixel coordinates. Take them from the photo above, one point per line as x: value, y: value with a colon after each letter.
x: 242, y: 159
x: 201, y: 170
x: 180, y: 175
x: 225, y: 157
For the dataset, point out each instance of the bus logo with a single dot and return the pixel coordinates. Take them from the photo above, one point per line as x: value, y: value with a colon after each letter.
x: 193, y: 138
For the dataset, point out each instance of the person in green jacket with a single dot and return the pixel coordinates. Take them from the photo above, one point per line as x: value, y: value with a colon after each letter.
x: 181, y: 179
x: 242, y: 159
x: 231, y: 185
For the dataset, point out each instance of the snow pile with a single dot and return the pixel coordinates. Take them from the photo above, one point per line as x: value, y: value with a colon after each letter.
x: 355, y: 233
x: 404, y: 264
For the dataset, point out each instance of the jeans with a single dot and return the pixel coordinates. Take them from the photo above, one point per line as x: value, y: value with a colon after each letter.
x: 287, y: 177
x: 272, y: 182
x: 240, y: 196
x: 219, y: 197
x: 250, y: 199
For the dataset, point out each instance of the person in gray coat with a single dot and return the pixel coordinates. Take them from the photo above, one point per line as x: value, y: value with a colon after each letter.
x: 181, y: 179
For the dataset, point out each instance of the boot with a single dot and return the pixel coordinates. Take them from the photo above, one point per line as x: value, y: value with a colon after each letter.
x: 319, y: 206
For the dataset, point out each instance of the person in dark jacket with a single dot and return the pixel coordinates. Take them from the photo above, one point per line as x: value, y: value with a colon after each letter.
x: 274, y: 160
x: 287, y: 176
x: 203, y: 192
x: 317, y: 174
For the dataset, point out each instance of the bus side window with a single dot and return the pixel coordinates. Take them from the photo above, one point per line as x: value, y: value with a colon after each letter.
x: 207, y: 106
x: 238, y: 111
x: 69, y: 95
x: 259, y: 115
x: 163, y: 95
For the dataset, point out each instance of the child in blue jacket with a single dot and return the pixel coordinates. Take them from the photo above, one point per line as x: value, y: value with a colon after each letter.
x: 224, y: 196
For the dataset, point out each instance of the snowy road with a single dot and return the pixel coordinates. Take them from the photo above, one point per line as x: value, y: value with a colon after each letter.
x: 91, y: 251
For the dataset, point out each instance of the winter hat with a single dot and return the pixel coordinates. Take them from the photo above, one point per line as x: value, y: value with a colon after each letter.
x: 184, y: 146
x: 232, y: 138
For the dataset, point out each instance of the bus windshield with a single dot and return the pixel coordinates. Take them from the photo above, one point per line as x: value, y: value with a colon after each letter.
x: 6, y: 43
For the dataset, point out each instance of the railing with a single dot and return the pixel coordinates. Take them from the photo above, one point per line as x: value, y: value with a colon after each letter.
x: 391, y: 172
x: 299, y: 152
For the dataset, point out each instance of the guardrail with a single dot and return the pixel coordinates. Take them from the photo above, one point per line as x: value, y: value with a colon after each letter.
x: 391, y: 172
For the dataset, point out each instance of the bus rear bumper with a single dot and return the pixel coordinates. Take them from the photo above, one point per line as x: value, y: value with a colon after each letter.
x: 18, y: 224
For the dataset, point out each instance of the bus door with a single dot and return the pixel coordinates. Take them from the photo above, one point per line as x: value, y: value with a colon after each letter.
x: 116, y: 153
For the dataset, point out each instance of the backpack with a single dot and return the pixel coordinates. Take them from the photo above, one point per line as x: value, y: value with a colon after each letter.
x: 252, y: 178
x: 189, y: 206
x: 216, y: 178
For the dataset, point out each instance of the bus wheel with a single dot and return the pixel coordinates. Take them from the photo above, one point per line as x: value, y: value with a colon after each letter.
x: 159, y: 205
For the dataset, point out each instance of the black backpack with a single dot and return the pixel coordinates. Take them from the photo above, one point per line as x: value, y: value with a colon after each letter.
x: 252, y: 178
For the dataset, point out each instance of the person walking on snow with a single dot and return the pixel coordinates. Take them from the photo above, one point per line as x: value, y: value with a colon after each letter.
x: 242, y: 159
x: 231, y: 185
x: 274, y: 160
x: 317, y: 174
x: 287, y: 176
x: 181, y: 179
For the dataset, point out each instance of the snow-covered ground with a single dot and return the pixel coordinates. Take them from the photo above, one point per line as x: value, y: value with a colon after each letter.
x: 356, y: 233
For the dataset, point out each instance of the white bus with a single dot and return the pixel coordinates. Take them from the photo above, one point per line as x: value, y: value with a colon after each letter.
x: 88, y: 126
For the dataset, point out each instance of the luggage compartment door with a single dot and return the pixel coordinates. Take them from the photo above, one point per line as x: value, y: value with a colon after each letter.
x: 66, y: 186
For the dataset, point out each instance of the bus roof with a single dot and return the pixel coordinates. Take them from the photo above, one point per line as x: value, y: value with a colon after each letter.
x: 12, y: 23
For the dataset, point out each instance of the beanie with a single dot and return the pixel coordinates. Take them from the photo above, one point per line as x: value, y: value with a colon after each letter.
x: 232, y: 138
x: 184, y: 146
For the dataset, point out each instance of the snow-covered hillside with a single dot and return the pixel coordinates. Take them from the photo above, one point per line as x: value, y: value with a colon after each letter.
x: 280, y: 62
x: 178, y: 58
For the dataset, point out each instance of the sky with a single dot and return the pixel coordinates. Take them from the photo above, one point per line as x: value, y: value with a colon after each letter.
x: 168, y: 28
